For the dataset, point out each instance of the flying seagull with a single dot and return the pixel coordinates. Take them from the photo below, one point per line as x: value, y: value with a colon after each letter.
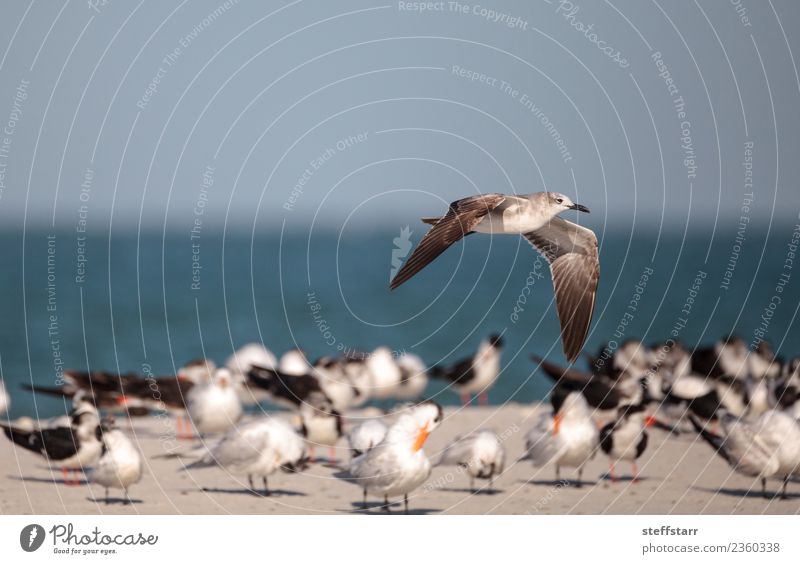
x: 570, y: 249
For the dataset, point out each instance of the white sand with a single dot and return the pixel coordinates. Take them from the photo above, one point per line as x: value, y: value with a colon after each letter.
x: 679, y: 475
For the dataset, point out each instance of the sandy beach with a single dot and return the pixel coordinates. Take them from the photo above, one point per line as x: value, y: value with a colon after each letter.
x: 679, y: 475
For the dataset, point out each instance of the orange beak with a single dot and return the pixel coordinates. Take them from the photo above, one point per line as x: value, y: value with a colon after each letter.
x: 649, y: 421
x: 422, y: 436
x: 122, y: 400
x: 556, y: 423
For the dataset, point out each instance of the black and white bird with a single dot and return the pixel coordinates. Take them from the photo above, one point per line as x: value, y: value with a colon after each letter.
x: 398, y: 465
x: 107, y: 390
x: 570, y: 249
x: 71, y: 445
x: 290, y: 390
x: 257, y: 449
x: 566, y: 437
x: 322, y: 427
x: 768, y: 447
x: 626, y: 438
x: 241, y: 362
x: 120, y: 465
x: 601, y: 391
x: 248, y: 356
x: 474, y: 375
x: 480, y: 454
x: 786, y: 390
x: 728, y: 356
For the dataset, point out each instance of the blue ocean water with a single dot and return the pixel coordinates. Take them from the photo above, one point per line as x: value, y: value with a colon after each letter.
x: 126, y: 301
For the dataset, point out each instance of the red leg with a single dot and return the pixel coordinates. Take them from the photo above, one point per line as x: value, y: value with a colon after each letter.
x: 64, y: 471
x: 635, y: 472
x: 483, y: 398
x: 465, y: 398
x: 611, y: 473
x: 311, y: 454
x: 332, y: 455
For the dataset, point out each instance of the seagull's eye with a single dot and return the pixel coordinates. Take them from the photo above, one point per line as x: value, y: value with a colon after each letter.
x: 559, y: 200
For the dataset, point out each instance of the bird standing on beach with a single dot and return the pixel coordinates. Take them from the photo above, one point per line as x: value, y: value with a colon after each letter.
x: 571, y: 250
x: 398, y: 465
x: 215, y: 406
x: 474, y: 375
x: 121, y: 465
x: 258, y: 448
x: 626, y: 438
x: 72, y: 445
x: 768, y: 447
x: 321, y: 426
x: 568, y: 437
x: 480, y: 454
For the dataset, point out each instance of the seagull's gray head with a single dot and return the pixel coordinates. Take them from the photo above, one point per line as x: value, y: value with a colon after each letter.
x: 559, y: 202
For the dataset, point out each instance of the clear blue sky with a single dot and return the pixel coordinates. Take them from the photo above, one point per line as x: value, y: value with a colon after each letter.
x: 128, y: 107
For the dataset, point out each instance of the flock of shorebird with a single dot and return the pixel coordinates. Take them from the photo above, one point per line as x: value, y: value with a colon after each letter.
x: 742, y: 401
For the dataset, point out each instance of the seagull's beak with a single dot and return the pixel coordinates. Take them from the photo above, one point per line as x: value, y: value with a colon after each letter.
x: 556, y: 423
x: 579, y: 208
x: 650, y: 421
x: 422, y: 436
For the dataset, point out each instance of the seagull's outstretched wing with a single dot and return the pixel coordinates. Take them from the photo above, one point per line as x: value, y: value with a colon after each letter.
x: 460, y: 219
x: 571, y: 251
